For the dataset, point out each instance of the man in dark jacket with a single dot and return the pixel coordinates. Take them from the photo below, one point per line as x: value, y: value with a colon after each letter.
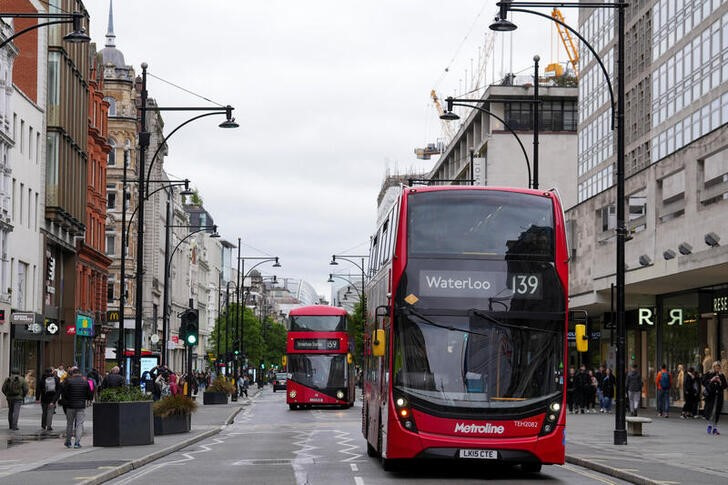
x: 49, y: 390
x: 634, y: 389
x: 15, y: 389
x: 582, y: 384
x: 113, y: 379
x: 76, y: 392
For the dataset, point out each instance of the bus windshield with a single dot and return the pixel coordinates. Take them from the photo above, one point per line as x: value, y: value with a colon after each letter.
x: 318, y: 323
x: 479, y: 360
x: 325, y: 373
x: 479, y: 223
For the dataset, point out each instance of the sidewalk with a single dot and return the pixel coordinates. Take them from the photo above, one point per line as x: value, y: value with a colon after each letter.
x: 672, y: 450
x: 46, y: 460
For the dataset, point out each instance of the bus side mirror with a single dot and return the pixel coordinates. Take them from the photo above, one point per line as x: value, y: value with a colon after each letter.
x: 582, y: 341
x: 378, y: 343
x: 349, y: 358
x: 284, y: 361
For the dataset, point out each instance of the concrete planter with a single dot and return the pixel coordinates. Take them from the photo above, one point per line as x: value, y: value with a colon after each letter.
x: 180, y: 423
x: 214, y: 398
x: 123, y: 423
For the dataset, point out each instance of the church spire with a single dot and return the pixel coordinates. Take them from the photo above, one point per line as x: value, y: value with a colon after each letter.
x: 110, y: 37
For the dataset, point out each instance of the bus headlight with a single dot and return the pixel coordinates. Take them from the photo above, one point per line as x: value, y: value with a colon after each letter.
x: 552, y: 416
x: 292, y: 394
x: 404, y: 413
x: 340, y: 394
x: 555, y: 407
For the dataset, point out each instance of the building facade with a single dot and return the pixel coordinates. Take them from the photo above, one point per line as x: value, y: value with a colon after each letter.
x: 93, y: 264
x: 26, y: 266
x: 676, y: 186
x: 485, y: 151
x: 121, y: 196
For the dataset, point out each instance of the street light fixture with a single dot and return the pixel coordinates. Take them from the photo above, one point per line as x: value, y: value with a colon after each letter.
x: 77, y: 36
x: 448, y: 115
x: 144, y: 138
x: 501, y: 24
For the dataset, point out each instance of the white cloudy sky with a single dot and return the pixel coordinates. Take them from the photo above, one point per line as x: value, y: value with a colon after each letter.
x: 329, y: 96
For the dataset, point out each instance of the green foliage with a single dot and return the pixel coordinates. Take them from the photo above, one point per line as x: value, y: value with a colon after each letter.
x: 122, y: 394
x: 264, y: 342
x: 196, y: 199
x: 356, y: 329
x: 220, y: 384
x: 174, y: 406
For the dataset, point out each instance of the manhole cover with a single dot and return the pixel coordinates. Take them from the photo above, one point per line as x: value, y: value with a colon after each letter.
x: 80, y: 465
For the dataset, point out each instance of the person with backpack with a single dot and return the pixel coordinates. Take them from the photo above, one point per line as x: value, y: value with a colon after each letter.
x: 634, y: 389
x: 15, y: 388
x: 49, y: 390
x: 663, y: 380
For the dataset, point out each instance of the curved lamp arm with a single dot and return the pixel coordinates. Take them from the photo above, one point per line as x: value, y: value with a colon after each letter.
x: 164, y: 141
x: 268, y: 260
x: 133, y: 213
x: 171, y: 255
x: 334, y: 257
x: 353, y: 285
x: 588, y: 46
x: 508, y: 127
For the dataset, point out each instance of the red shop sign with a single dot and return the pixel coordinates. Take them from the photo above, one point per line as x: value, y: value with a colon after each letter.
x: 71, y: 330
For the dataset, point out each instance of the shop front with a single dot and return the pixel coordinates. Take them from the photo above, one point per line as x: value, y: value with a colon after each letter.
x: 29, y: 333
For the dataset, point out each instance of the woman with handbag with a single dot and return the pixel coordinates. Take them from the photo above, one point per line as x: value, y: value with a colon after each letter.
x: 713, y: 384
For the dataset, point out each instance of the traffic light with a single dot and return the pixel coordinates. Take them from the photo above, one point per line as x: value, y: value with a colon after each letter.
x: 236, y: 347
x: 189, y: 326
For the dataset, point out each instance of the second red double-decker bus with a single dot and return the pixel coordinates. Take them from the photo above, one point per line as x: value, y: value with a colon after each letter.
x: 466, y: 338
x: 320, y: 372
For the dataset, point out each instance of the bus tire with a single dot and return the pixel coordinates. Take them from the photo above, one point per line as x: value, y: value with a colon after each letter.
x: 531, y: 467
x: 292, y: 407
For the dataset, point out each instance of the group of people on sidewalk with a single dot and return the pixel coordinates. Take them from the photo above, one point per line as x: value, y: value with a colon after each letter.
x: 586, y: 387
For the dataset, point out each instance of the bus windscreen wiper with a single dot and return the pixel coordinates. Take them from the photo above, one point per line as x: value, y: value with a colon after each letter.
x: 494, y: 320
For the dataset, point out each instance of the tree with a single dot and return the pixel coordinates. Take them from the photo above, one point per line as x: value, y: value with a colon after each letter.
x: 356, y: 328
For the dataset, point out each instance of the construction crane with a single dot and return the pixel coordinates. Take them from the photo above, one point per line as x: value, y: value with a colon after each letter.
x: 569, y: 45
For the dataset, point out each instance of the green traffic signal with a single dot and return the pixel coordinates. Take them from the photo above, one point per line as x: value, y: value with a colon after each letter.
x: 191, y: 339
x: 189, y: 326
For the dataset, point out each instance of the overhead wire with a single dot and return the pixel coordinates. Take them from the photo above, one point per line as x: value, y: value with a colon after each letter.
x: 184, y: 89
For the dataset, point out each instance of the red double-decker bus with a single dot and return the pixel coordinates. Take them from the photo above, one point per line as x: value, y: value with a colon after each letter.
x: 320, y: 372
x: 467, y: 329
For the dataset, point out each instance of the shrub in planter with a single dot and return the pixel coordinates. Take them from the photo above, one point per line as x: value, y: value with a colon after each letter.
x: 123, y: 417
x: 218, y: 391
x: 173, y: 414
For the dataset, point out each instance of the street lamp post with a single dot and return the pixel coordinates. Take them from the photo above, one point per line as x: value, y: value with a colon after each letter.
x: 143, y: 145
x: 534, y: 185
x: 241, y: 265
x: 168, y: 269
x: 448, y: 115
x: 78, y: 35
x: 503, y: 25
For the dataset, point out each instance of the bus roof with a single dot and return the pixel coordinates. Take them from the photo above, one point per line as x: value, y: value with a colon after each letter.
x: 317, y: 310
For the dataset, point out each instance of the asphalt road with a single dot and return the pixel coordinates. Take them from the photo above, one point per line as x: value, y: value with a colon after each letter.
x: 269, y: 444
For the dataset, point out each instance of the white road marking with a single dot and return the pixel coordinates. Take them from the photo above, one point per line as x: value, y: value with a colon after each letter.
x: 354, y: 468
x: 359, y: 480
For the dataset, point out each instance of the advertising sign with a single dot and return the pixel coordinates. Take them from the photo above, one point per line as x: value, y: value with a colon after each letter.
x: 23, y: 318
x: 84, y: 326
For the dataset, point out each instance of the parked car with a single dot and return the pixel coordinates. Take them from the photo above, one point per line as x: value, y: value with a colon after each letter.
x: 280, y: 381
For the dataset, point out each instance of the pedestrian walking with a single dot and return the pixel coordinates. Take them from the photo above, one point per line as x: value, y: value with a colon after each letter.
x: 663, y: 381
x: 608, y: 385
x: 75, y: 392
x: 582, y: 382
x: 15, y: 388
x: 691, y: 391
x: 634, y: 390
x: 49, y: 390
x: 113, y: 379
x: 599, y: 377
x: 571, y: 389
x: 714, y: 383
x: 592, y: 392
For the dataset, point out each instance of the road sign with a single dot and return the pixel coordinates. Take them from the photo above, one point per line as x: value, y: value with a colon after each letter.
x: 154, y: 338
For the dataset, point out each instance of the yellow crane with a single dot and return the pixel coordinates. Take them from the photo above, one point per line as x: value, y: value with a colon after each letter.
x: 569, y: 45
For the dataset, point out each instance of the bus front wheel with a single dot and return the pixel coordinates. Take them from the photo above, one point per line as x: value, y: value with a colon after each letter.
x: 292, y: 407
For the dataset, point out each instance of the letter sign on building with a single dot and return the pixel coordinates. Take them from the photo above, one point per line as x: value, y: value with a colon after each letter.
x: 676, y: 316
x: 645, y: 316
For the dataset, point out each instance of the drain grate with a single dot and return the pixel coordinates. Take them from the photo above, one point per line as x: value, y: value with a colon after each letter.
x: 270, y: 462
x: 80, y: 465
